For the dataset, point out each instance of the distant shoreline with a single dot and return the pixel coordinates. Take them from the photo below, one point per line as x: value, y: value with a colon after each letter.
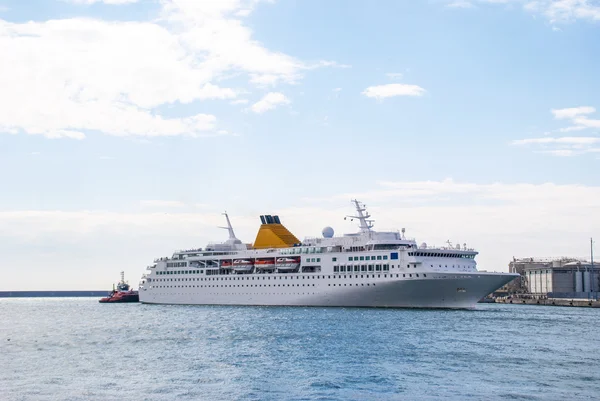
x: 42, y: 294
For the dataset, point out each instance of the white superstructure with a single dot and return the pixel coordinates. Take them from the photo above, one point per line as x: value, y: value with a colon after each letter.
x: 368, y: 268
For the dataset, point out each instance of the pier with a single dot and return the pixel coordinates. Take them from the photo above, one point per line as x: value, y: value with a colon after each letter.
x: 589, y: 303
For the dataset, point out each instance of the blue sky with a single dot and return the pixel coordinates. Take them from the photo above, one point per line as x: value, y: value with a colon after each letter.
x: 127, y: 126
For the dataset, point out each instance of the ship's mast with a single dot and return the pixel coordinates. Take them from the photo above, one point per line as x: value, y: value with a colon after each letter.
x: 229, y: 227
x: 365, y: 223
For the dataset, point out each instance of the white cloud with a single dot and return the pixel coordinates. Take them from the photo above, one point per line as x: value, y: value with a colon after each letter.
x: 269, y: 102
x: 61, y: 78
x: 500, y: 220
x: 240, y: 101
x: 64, y: 133
x: 564, y: 146
x: 572, y: 112
x: 587, y: 122
x: 553, y: 10
x: 569, y: 140
x: 572, y: 128
x: 243, y: 13
x: 565, y: 10
x: 162, y: 203
x: 459, y: 4
x: 102, y: 1
x: 337, y: 89
x: 567, y: 145
x: 327, y: 63
x: 390, y: 90
x: 559, y: 152
x: 394, y: 75
x: 208, y: 27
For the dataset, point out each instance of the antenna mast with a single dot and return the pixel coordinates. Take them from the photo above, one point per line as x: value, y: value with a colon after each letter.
x: 365, y: 223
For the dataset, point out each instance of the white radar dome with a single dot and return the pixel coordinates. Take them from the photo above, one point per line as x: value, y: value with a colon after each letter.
x: 328, y: 232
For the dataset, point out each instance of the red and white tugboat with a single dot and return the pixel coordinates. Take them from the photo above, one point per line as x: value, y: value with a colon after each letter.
x: 123, y: 293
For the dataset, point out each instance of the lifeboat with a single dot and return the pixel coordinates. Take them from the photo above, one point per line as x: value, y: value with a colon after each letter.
x: 287, y: 263
x: 265, y: 264
x: 123, y: 293
x: 243, y: 265
x: 226, y: 263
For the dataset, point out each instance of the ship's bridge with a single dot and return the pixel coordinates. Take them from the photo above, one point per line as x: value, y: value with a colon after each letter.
x: 377, y: 245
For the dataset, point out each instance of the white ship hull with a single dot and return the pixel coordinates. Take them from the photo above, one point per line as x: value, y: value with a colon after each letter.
x: 438, y: 290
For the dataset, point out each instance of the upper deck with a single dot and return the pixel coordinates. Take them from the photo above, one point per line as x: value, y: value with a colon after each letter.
x: 274, y: 240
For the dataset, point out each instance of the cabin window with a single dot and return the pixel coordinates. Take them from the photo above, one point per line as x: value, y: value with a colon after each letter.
x: 362, y: 258
x: 334, y: 259
x: 350, y: 258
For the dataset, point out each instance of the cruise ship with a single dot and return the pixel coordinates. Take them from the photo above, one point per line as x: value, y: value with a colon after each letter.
x: 364, y: 269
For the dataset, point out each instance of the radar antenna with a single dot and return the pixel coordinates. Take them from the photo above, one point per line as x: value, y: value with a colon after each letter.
x: 365, y: 223
x: 229, y: 227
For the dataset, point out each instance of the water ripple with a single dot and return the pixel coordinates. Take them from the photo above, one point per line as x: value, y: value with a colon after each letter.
x: 73, y: 349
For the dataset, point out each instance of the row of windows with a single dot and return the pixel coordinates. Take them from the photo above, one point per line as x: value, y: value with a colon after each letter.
x: 350, y: 285
x: 181, y: 272
x: 309, y: 260
x: 379, y: 275
x: 441, y: 255
x: 295, y: 251
x: 284, y: 285
x: 378, y: 257
x: 459, y: 266
x: 233, y: 285
x: 176, y: 264
x: 362, y: 268
x: 349, y: 276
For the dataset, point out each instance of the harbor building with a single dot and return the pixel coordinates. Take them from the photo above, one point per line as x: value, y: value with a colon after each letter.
x: 558, y: 277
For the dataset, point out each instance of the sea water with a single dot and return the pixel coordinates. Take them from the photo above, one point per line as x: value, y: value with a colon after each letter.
x: 79, y: 349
